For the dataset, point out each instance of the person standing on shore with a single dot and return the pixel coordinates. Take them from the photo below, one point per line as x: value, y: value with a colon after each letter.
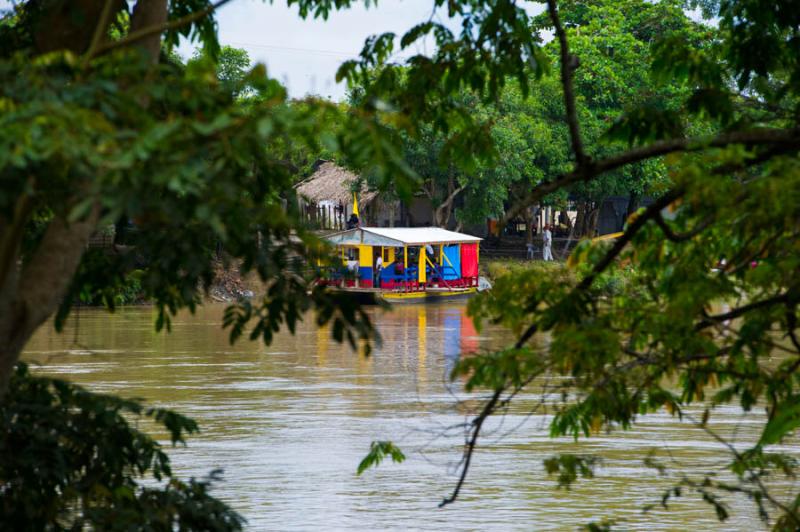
x: 547, y: 235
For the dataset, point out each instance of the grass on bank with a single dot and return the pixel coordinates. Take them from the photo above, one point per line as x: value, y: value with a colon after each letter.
x: 611, y: 283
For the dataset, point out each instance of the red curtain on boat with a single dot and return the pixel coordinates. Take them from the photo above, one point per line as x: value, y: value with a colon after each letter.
x: 469, y: 260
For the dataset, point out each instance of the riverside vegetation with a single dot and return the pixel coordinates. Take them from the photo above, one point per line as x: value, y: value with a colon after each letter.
x: 97, y: 124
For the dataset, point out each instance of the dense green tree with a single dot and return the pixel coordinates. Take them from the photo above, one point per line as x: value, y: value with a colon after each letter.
x: 526, y: 127
x: 613, y: 41
x: 231, y: 64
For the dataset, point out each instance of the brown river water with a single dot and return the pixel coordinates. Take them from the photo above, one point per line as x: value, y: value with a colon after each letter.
x: 288, y: 423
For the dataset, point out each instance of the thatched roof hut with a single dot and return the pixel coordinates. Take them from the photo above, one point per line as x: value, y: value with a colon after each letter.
x: 333, y: 183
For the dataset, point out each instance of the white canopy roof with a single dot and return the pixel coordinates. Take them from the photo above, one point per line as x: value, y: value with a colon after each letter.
x: 400, y: 236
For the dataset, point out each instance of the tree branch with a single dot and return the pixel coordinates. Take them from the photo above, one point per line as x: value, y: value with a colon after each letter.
x: 682, y: 237
x: 477, y: 423
x: 100, y: 30
x: 569, y: 63
x: 138, y: 35
x: 709, y: 321
x: 754, y: 475
x: 452, y: 196
x: 785, y: 139
x: 653, y: 211
x: 612, y: 253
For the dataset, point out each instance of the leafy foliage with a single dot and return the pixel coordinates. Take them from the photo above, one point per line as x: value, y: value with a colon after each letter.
x: 490, y: 146
x: 568, y: 467
x: 377, y: 452
x: 100, y: 124
x: 72, y: 459
x: 695, y: 305
x: 231, y: 64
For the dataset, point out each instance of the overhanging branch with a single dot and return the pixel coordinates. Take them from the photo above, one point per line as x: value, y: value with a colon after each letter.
x: 477, y: 423
x: 569, y: 63
x: 143, y: 33
x: 709, y: 320
x: 782, y: 139
x: 682, y: 237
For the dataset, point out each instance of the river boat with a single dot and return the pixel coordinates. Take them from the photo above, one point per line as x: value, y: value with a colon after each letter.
x: 418, y: 264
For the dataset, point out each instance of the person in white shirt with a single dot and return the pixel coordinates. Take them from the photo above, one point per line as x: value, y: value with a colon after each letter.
x: 378, y: 268
x: 547, y: 253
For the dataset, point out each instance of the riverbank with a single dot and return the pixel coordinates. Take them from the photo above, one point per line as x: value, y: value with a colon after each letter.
x: 611, y: 283
x: 495, y: 268
x: 227, y: 285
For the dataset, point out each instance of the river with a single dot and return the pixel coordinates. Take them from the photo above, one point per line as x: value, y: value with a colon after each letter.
x: 288, y: 423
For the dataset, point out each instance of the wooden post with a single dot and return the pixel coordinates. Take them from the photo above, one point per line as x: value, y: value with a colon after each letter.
x: 460, y: 264
x: 421, y: 268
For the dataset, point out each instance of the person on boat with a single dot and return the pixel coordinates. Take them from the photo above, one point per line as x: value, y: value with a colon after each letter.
x: 352, y: 222
x: 378, y: 268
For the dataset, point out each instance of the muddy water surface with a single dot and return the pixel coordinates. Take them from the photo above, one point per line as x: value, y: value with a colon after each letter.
x: 289, y: 423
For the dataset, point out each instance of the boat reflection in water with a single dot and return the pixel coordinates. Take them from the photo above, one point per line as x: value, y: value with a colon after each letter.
x: 411, y: 334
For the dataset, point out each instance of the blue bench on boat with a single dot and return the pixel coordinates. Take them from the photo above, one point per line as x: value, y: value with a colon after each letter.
x: 390, y: 276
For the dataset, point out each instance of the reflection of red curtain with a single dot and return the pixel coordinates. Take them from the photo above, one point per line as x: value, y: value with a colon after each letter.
x: 469, y: 260
x: 469, y: 336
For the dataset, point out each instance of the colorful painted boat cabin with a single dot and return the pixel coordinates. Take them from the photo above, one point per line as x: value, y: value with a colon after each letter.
x: 411, y: 258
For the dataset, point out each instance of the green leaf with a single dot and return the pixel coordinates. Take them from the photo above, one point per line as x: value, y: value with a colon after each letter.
x: 783, y: 422
x: 377, y: 452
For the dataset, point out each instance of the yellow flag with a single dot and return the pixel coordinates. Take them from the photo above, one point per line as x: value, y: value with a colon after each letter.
x: 355, y: 205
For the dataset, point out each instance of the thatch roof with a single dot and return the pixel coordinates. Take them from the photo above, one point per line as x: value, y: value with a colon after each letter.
x: 333, y: 183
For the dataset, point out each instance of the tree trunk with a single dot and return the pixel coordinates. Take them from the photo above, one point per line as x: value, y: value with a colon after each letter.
x: 569, y: 240
x: 633, y: 204
x: 31, y: 294
x: 146, y: 14
x: 580, y: 219
x: 441, y: 215
x: 593, y: 218
x: 67, y: 25
x: 528, y: 215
